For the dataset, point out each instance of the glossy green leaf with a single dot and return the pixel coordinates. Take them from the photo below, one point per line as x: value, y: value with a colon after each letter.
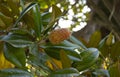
x: 101, y: 72
x: 46, y: 18
x: 15, y: 73
x: 95, y: 39
x: 29, y: 7
x: 115, y: 70
x: 34, y: 50
x: 38, y: 20
x: 54, y: 51
x: 67, y: 72
x: 88, y: 58
x: 66, y: 62
x: 20, y: 31
x: 102, y: 42
x: 38, y: 61
x: 37, y: 58
x: 104, y: 49
x: 64, y: 45
x: 15, y: 55
x: 69, y: 44
x: 18, y: 40
x: 74, y: 40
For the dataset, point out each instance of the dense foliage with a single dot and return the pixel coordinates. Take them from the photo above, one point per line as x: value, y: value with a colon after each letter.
x: 26, y: 51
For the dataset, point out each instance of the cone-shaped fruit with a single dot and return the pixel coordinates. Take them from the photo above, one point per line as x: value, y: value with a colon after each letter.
x: 59, y: 35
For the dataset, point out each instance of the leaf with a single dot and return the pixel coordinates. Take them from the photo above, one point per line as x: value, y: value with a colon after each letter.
x: 54, y: 64
x: 88, y: 57
x: 66, y: 47
x: 13, y: 5
x: 19, y: 31
x: 110, y: 40
x: 17, y: 40
x: 33, y: 49
x: 70, y: 45
x: 38, y: 20
x: 66, y: 62
x: 115, y: 70
x: 50, y: 64
x: 67, y: 72
x: 39, y: 62
x: 83, y: 41
x: 15, y: 73
x: 3, y: 62
x: 101, y: 72
x: 108, y: 47
x: 5, y: 10
x: 57, y: 63
x: 74, y: 40
x: 95, y: 39
x: 2, y: 24
x: 1, y: 45
x: 28, y: 20
x: 54, y: 51
x: 56, y: 13
x: 7, y: 20
x: 115, y: 50
x: 104, y: 49
x: 30, y: 6
x: 36, y: 57
x: 102, y: 42
x: 15, y: 55
x: 46, y: 18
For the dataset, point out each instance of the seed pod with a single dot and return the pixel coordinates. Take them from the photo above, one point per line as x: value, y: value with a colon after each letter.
x: 59, y: 35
